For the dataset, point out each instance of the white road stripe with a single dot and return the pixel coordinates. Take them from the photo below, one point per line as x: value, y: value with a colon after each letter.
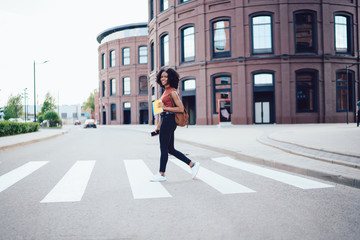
x: 19, y: 173
x: 72, y: 186
x: 220, y: 183
x: 139, y: 177
x: 293, y: 180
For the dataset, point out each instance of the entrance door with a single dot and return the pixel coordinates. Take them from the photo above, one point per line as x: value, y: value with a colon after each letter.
x: 104, y: 118
x: 264, y: 110
x: 189, y: 105
x: 127, y: 116
x: 144, y: 117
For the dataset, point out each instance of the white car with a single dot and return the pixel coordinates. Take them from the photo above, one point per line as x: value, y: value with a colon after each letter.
x: 16, y: 120
x: 90, y: 123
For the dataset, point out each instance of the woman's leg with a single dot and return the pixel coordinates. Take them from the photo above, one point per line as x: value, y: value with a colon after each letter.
x: 179, y: 155
x: 164, y: 138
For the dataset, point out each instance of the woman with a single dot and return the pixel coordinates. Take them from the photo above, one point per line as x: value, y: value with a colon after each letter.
x: 169, y: 79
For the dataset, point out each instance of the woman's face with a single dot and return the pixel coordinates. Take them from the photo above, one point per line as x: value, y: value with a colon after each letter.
x: 164, y: 79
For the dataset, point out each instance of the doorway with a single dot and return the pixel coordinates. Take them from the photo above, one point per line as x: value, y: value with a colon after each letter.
x: 264, y: 109
x: 189, y: 104
x: 103, y: 118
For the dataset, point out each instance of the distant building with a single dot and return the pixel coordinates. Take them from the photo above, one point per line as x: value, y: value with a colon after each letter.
x: 123, y: 81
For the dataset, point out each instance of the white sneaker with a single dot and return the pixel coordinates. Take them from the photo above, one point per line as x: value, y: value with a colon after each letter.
x: 158, y: 178
x: 195, y: 169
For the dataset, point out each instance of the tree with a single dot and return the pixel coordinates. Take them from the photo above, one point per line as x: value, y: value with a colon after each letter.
x: 14, y: 107
x: 53, y: 118
x: 49, y: 104
x: 90, y: 103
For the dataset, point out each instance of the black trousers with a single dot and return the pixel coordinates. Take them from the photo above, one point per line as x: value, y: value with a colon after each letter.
x: 166, y: 137
x: 358, y: 118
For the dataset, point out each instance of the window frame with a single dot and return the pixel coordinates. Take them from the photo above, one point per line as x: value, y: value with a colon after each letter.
x: 182, y: 44
x: 162, y: 9
x: 349, y: 89
x: 215, y: 110
x: 262, y: 50
x: 143, y: 92
x: 103, y: 88
x: 315, y: 90
x: 125, y: 57
x: 220, y: 54
x: 140, y: 55
x: 127, y: 92
x: 162, y: 50
x: 151, y: 10
x: 349, y: 31
x: 152, y: 64
x: 113, y: 112
x: 112, y: 87
x: 112, y: 58
x: 314, y: 31
x: 103, y: 61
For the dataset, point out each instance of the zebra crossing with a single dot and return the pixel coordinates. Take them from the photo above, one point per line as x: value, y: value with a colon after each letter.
x: 72, y: 186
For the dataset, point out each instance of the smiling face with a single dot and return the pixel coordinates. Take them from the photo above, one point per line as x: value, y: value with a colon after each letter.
x: 164, y: 79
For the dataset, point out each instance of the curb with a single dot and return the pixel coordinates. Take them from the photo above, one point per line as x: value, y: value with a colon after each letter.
x: 338, y: 179
x: 15, y: 145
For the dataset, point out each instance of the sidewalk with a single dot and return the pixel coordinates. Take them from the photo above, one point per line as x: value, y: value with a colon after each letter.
x: 326, y: 151
x: 9, y: 142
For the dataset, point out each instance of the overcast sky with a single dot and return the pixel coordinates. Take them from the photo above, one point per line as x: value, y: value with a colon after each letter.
x: 63, y: 32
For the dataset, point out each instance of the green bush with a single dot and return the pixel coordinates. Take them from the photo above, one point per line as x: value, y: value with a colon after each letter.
x: 53, y: 118
x: 41, y: 118
x: 12, y: 128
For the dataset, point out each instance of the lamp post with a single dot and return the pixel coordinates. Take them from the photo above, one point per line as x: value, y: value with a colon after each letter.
x: 35, y: 90
x: 25, y: 96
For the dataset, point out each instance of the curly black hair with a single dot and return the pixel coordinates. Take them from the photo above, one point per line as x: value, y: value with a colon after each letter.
x: 173, y: 77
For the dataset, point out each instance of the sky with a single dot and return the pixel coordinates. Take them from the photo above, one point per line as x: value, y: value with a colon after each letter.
x: 62, y: 33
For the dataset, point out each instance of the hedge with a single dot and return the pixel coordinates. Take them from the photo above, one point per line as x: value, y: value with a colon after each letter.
x: 12, y: 128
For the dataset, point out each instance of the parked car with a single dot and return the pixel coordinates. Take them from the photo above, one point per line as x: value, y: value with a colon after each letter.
x: 77, y: 122
x: 90, y: 123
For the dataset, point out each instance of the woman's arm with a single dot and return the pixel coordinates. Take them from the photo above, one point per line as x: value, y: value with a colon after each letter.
x: 179, y: 107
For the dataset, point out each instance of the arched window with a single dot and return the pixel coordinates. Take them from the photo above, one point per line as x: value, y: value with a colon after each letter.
x: 126, y: 56
x: 344, y: 91
x: 343, y: 33
x: 222, y: 89
x: 112, y: 58
x: 261, y: 26
x: 164, y: 50
x: 126, y: 86
x: 188, y: 44
x: 143, y: 85
x: 112, y: 87
x: 221, y: 44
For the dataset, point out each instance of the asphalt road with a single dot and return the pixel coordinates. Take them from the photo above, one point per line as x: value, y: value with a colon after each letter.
x: 93, y: 184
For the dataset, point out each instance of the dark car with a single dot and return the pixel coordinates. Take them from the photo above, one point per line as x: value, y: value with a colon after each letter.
x: 90, y: 123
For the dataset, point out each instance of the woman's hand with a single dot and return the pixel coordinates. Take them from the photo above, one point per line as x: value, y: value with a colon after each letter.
x: 161, y: 105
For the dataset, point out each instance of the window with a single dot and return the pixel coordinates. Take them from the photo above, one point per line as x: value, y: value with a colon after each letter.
x: 143, y: 85
x: 103, y: 88
x: 263, y: 79
x: 261, y: 34
x: 222, y: 89
x: 112, y: 58
x: 127, y: 105
x: 112, y: 87
x: 343, y: 33
x: 126, y: 56
x: 344, y: 101
x: 189, y: 85
x: 103, y: 61
x: 306, y: 91
x: 152, y: 56
x: 188, y: 44
x: 221, y: 39
x: 305, y: 32
x: 126, y: 86
x: 143, y: 55
x: 164, y: 4
x: 183, y: 1
x: 113, y: 111
x: 164, y: 48
x: 151, y: 9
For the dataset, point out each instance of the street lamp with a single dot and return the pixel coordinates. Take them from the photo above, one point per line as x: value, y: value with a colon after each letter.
x: 25, y: 96
x: 35, y: 90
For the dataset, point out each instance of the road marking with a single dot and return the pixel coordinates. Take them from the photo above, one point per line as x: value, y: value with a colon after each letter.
x: 293, y: 180
x: 220, y: 183
x: 72, y: 186
x: 19, y: 173
x: 139, y: 177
